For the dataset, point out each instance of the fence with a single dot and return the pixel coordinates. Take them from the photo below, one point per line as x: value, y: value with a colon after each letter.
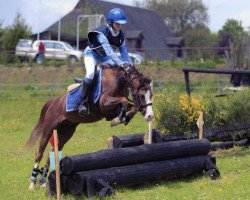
x: 186, y: 72
x: 176, y: 54
x: 38, y: 90
x: 43, y: 90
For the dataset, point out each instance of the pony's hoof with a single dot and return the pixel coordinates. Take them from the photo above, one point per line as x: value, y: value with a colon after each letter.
x: 115, y: 122
x: 44, y: 185
x: 32, y: 186
x: 42, y: 180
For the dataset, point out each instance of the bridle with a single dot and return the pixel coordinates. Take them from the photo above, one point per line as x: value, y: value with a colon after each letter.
x: 137, y: 99
x: 138, y: 104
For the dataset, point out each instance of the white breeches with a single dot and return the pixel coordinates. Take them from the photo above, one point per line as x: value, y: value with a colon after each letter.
x: 90, y: 64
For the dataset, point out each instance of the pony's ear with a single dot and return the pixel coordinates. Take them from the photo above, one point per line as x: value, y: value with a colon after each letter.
x: 147, y: 79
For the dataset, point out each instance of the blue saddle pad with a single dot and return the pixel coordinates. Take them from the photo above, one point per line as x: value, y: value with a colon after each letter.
x: 73, y: 99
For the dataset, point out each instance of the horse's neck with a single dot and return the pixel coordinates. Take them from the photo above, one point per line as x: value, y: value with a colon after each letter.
x: 110, y: 73
x: 113, y: 77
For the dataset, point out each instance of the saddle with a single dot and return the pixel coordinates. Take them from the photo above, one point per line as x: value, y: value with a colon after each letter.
x: 73, y: 99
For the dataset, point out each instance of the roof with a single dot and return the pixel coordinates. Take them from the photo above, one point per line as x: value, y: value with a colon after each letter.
x: 68, y: 23
x: 142, y: 23
x: 134, y: 35
x: 67, y: 37
x: 175, y: 41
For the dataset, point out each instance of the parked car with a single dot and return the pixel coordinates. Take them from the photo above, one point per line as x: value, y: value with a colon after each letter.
x: 57, y: 50
x: 23, y: 49
x: 136, y: 58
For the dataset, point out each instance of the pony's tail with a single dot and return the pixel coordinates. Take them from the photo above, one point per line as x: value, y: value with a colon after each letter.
x: 38, y: 129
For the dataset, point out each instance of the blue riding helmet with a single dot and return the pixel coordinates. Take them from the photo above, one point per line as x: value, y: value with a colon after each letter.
x: 117, y: 15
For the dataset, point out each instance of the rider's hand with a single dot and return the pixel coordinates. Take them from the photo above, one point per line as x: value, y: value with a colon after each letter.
x: 127, y: 67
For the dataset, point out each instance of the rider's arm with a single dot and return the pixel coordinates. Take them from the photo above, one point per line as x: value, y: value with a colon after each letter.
x: 108, y: 49
x: 124, y: 54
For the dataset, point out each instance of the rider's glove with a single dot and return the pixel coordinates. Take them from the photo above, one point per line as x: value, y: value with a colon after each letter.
x: 127, y: 67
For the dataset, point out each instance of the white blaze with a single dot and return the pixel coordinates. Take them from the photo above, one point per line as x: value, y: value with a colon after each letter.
x: 149, y: 110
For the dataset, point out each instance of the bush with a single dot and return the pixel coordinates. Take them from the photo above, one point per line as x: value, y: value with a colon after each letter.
x: 238, y: 108
x: 176, y: 112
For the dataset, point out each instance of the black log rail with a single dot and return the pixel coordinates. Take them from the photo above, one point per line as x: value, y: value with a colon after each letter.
x: 186, y: 72
x: 222, y: 134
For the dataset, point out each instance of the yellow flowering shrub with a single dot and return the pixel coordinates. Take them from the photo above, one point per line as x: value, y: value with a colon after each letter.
x: 176, y: 112
x: 190, y: 106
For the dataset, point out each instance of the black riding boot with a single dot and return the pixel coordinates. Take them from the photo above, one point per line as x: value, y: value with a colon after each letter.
x: 83, y: 108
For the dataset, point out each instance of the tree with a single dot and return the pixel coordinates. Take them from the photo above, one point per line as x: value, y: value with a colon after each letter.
x: 1, y: 33
x: 233, y: 28
x: 11, y: 35
x: 188, y: 19
x: 233, y: 37
x: 199, y: 38
x: 180, y: 15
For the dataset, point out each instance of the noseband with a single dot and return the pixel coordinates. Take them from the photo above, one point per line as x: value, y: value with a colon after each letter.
x: 139, y: 105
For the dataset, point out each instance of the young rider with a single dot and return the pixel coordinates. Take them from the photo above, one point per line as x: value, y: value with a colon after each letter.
x: 101, y: 42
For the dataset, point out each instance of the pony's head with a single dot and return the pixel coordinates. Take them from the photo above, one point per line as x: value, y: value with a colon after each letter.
x: 142, y: 93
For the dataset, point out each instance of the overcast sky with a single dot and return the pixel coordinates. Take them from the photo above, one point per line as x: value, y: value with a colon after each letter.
x: 40, y: 14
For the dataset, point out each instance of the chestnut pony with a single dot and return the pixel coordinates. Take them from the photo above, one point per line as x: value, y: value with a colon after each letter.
x: 113, y: 105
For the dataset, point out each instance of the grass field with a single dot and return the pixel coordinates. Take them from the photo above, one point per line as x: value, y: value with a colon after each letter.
x: 18, y: 116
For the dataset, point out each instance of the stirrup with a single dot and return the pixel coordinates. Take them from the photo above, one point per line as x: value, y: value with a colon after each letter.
x: 83, y: 108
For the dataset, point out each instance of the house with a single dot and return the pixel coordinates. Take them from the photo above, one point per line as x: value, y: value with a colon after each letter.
x: 175, y: 45
x: 53, y: 35
x: 145, y: 31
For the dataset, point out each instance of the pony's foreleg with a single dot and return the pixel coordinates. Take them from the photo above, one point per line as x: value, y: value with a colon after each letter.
x: 123, y: 118
x: 119, y: 119
x: 128, y: 117
x: 114, y: 103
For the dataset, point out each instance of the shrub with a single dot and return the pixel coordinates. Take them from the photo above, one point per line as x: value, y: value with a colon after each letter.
x: 238, y: 108
x: 177, y: 112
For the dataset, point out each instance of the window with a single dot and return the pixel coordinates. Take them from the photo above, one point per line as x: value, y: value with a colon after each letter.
x: 49, y: 45
x: 58, y: 46
x: 25, y: 43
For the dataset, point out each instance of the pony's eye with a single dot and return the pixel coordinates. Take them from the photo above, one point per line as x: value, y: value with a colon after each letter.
x: 142, y: 96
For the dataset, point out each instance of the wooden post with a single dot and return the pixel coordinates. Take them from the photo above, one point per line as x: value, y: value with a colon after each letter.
x: 201, y: 122
x: 58, y: 182
x: 186, y: 77
x: 150, y: 132
x: 150, y: 123
x: 110, y: 143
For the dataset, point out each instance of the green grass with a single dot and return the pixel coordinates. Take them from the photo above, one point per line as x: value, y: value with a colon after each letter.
x: 18, y: 116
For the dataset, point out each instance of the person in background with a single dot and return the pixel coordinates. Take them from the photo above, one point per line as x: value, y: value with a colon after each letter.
x: 235, y: 79
x: 41, y: 51
x: 100, y: 50
x: 245, y: 77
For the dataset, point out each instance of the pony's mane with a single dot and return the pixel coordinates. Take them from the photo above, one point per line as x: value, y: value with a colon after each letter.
x: 109, y: 66
x: 134, y: 71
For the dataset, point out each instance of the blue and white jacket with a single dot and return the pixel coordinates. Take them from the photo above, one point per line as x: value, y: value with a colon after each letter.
x: 102, y: 43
